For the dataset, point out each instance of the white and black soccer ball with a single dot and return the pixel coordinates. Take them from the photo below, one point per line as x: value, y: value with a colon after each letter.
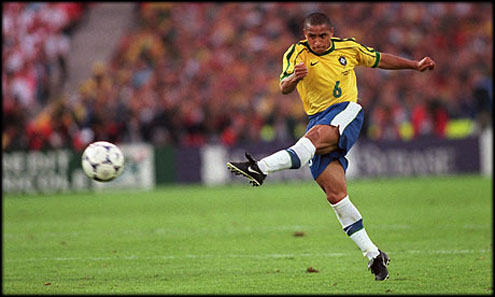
x: 102, y: 161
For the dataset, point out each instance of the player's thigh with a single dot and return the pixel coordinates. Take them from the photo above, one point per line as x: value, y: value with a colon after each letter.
x: 325, y: 138
x: 332, y: 181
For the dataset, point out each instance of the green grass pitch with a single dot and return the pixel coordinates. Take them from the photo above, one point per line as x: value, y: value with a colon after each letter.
x: 237, y: 239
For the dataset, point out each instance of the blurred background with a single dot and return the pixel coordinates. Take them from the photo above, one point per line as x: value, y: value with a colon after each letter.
x: 199, y: 83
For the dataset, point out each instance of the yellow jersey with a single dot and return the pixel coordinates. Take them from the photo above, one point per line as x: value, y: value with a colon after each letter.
x: 331, y: 78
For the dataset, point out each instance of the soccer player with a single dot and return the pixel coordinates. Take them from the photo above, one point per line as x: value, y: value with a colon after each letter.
x: 321, y: 68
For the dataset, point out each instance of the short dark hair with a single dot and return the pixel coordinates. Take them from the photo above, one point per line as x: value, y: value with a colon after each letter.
x: 317, y: 18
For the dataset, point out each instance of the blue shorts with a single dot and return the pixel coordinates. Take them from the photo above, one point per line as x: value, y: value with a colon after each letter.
x: 348, y: 117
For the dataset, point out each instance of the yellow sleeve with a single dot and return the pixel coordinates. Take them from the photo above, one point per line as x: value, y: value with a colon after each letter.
x: 289, y: 61
x: 367, y: 56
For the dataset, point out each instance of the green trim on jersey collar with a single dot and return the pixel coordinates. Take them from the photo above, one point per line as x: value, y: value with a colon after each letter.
x: 306, y: 44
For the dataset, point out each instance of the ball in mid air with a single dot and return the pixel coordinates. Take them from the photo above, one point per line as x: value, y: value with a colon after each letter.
x: 102, y: 161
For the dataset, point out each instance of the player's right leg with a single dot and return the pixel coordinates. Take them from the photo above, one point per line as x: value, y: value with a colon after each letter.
x: 332, y: 181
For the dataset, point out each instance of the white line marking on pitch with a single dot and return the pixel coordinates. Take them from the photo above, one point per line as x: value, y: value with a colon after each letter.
x: 266, y: 256
x: 242, y: 229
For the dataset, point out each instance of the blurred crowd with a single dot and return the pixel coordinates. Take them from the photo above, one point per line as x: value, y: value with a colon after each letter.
x: 35, y: 45
x: 199, y: 73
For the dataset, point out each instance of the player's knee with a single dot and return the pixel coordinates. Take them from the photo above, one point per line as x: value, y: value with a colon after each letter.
x: 323, y: 137
x: 314, y: 135
x: 335, y: 195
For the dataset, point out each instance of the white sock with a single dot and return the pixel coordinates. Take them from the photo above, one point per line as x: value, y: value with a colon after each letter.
x: 294, y: 157
x: 352, y: 223
x: 362, y: 240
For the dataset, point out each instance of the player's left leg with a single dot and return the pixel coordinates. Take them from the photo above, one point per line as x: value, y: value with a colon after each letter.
x: 320, y: 139
x: 293, y: 157
x: 332, y: 181
x: 323, y: 136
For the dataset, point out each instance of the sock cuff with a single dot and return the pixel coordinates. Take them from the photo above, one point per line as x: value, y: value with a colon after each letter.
x: 341, y: 203
x: 354, y: 227
x: 295, y: 161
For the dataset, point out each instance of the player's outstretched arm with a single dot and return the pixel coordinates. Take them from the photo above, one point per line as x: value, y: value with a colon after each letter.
x: 392, y: 62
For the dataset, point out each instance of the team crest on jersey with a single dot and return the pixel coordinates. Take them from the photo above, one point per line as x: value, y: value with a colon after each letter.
x: 342, y: 60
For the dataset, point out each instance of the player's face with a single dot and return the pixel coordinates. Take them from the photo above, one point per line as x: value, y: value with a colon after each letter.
x: 318, y: 37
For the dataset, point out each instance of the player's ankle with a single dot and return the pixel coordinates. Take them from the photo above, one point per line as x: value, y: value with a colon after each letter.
x: 262, y: 166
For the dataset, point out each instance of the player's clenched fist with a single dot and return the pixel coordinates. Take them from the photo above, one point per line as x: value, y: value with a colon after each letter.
x: 426, y: 64
x: 300, y: 71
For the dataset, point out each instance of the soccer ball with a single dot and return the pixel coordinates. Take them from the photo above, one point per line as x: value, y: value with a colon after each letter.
x: 102, y: 161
